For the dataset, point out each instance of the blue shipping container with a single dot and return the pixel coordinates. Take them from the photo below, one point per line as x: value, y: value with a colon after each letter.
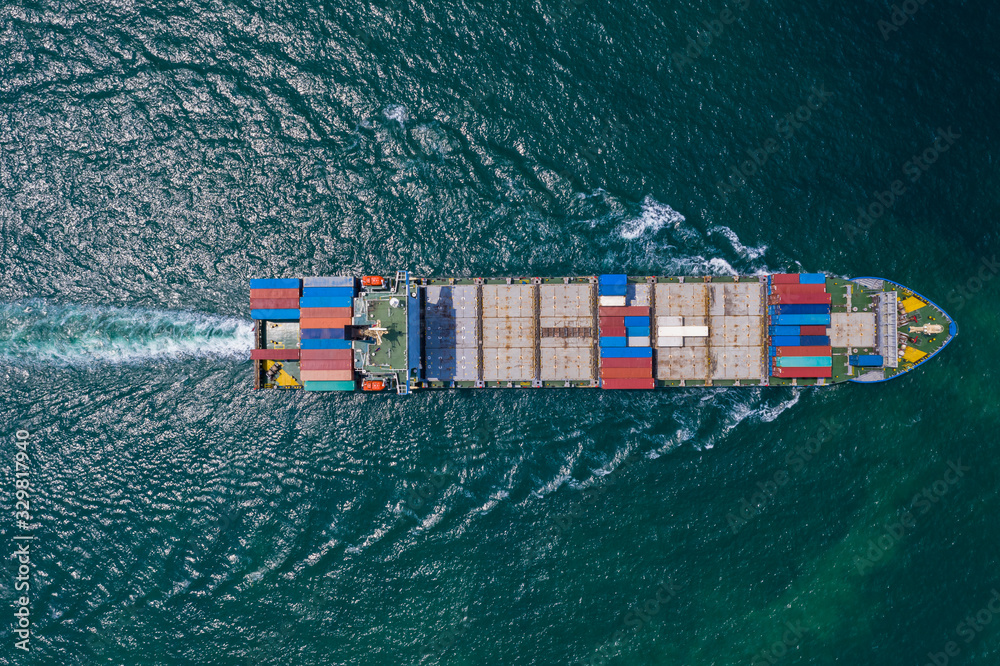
x: 786, y: 341
x: 325, y: 302
x: 815, y: 341
x: 637, y: 331
x: 801, y: 320
x: 612, y: 290
x: 332, y: 281
x: 812, y: 278
x: 613, y: 279
x: 804, y: 308
x: 275, y: 315
x: 636, y: 321
x: 326, y: 344
x: 612, y: 341
x: 627, y: 352
x: 803, y: 362
x: 867, y: 360
x: 784, y: 330
x: 328, y: 291
x: 322, y: 334
x: 280, y: 283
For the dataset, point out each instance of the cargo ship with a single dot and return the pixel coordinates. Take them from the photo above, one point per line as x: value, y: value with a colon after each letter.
x: 400, y: 333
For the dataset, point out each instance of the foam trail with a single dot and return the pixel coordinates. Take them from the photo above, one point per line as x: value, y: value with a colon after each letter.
x: 654, y: 216
x: 81, y: 334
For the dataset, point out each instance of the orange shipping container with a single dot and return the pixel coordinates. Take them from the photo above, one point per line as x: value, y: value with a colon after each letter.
x: 626, y: 373
x: 327, y: 375
x: 322, y: 322
x: 319, y: 313
x: 274, y: 293
x: 334, y: 354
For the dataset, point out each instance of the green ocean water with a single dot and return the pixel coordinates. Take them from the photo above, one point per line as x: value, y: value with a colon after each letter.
x: 154, y: 156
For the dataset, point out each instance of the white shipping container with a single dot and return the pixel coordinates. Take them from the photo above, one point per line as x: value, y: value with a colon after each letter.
x: 638, y: 341
x: 669, y: 342
x: 670, y: 321
x: 611, y: 301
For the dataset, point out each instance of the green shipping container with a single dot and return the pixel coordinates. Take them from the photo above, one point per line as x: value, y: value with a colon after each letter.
x: 330, y: 386
x: 803, y: 362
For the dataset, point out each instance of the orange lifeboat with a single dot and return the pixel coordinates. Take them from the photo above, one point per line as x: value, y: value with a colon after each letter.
x: 372, y: 281
x: 373, y: 385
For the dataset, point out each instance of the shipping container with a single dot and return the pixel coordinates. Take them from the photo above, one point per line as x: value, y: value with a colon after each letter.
x: 280, y: 283
x: 606, y: 341
x: 801, y: 320
x: 612, y: 278
x: 326, y: 313
x: 274, y: 354
x: 642, y: 341
x: 326, y: 302
x: 625, y: 373
x: 614, y: 332
x: 330, y: 386
x: 626, y: 352
x: 612, y: 290
x: 322, y: 322
x: 325, y: 344
x: 627, y: 363
x: 638, y: 331
x: 803, y: 362
x: 867, y: 360
x: 611, y: 301
x: 628, y: 383
x: 336, y: 292
x: 322, y: 333
x: 329, y: 281
x: 275, y: 293
x: 798, y: 288
x: 274, y: 303
x: 326, y: 364
x: 816, y: 308
x: 669, y: 341
x: 637, y: 321
x: 631, y: 311
x: 809, y: 350
x: 326, y: 355
x: 785, y: 278
x: 786, y: 341
x: 812, y: 278
x: 814, y: 340
x: 785, y: 330
x: 812, y: 330
x: 326, y: 375
x: 801, y: 373
x: 612, y: 322
x: 797, y: 299
x: 275, y: 315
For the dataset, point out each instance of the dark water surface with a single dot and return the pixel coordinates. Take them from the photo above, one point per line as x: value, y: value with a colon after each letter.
x: 154, y: 156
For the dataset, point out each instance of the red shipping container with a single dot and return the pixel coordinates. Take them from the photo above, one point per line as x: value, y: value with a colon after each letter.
x: 274, y: 293
x: 274, y: 354
x: 628, y: 383
x: 325, y: 322
x: 320, y: 313
x: 276, y: 303
x: 806, y: 298
x: 326, y: 354
x: 614, y: 332
x: 798, y: 288
x: 626, y: 311
x: 788, y: 373
x: 612, y: 322
x: 812, y: 330
x: 327, y: 375
x: 626, y: 373
x: 327, y: 364
x: 785, y: 278
x: 627, y: 363
x: 805, y: 351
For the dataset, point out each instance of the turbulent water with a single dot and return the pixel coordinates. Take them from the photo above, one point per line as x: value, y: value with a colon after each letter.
x: 153, y: 157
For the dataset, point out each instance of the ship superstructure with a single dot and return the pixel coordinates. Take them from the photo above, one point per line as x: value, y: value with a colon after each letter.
x: 403, y: 333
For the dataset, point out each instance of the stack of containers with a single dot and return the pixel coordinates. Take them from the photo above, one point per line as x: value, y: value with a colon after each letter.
x: 326, y: 310
x: 800, y: 315
x: 626, y: 357
x: 274, y: 299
